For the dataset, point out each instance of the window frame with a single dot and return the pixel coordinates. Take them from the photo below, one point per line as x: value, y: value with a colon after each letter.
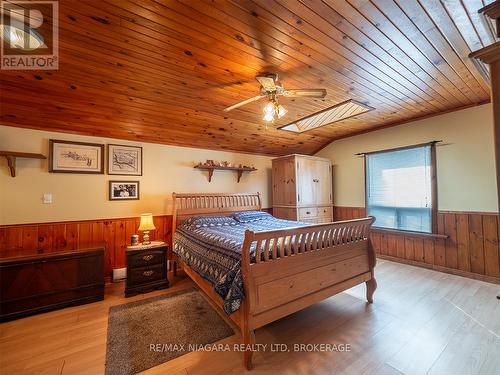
x: 434, y: 199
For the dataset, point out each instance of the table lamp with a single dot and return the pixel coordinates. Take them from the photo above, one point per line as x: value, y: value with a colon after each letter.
x: 146, y: 225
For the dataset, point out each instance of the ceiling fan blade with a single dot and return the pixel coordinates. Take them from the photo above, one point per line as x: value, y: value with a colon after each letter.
x: 250, y: 100
x: 267, y: 83
x: 307, y: 93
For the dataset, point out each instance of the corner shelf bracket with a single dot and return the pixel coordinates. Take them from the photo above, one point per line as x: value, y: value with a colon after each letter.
x: 211, y: 169
x: 12, y: 156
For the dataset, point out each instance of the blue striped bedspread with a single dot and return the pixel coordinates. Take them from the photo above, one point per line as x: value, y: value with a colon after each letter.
x: 212, y: 247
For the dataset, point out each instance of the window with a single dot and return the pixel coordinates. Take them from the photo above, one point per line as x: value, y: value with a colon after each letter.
x: 399, y: 188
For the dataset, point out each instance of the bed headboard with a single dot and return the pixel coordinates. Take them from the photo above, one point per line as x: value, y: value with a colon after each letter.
x: 205, y: 204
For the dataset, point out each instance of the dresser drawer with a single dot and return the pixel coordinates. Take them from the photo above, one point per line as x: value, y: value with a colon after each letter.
x: 148, y: 274
x: 307, y: 213
x: 325, y: 213
x: 315, y: 212
x: 146, y: 258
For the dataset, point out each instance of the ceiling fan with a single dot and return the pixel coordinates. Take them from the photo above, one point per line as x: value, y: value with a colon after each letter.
x: 270, y: 89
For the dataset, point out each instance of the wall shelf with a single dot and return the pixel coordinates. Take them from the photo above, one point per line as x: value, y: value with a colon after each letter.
x: 211, y: 169
x: 11, y: 157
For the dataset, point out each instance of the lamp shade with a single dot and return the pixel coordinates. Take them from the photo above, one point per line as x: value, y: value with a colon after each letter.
x: 146, y: 222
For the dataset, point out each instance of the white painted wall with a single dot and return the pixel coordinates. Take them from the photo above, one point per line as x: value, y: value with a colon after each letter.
x: 80, y: 197
x: 465, y: 159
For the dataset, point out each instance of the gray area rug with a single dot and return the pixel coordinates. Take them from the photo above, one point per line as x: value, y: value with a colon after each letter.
x: 152, y: 331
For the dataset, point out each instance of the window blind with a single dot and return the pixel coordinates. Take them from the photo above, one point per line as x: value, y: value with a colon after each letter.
x: 399, y: 188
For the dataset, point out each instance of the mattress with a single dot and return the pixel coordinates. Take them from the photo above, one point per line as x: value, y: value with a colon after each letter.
x: 211, y: 246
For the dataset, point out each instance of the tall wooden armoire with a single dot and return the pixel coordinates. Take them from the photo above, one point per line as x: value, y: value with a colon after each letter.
x: 302, y: 188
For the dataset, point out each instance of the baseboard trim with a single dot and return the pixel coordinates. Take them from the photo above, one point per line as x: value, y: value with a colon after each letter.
x: 452, y: 271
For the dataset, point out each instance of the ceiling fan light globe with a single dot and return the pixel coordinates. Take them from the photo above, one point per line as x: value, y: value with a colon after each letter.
x: 268, y: 117
x: 269, y: 108
x: 266, y: 112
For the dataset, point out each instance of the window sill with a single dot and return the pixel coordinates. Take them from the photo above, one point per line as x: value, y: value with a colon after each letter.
x: 406, y: 233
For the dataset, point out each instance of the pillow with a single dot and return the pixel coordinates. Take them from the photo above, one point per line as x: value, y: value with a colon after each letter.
x: 210, y: 221
x: 247, y: 216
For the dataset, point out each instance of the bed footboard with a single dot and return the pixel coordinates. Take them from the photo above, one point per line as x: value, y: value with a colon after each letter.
x: 297, y: 267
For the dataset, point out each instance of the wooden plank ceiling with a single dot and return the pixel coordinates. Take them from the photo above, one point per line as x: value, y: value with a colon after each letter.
x: 163, y: 71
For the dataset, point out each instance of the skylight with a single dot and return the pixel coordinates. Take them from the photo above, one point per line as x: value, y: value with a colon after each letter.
x: 328, y: 116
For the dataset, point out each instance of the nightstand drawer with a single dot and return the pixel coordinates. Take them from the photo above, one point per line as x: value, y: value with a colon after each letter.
x: 146, y: 258
x: 147, y: 274
x: 146, y: 268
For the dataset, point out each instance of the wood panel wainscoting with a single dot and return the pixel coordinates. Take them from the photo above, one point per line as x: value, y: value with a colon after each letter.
x: 114, y: 234
x: 467, y: 243
x: 471, y: 250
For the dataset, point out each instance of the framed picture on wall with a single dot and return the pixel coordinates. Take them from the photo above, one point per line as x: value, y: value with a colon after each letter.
x: 124, y: 160
x: 123, y: 190
x: 75, y: 157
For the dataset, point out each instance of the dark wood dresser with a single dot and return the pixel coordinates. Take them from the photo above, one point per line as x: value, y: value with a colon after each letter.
x: 35, y: 283
x: 146, y: 268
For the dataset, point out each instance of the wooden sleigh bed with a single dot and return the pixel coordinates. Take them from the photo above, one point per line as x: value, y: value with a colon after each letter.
x: 313, y: 263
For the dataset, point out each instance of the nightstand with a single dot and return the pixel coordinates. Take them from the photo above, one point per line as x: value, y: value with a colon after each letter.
x: 146, y: 268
